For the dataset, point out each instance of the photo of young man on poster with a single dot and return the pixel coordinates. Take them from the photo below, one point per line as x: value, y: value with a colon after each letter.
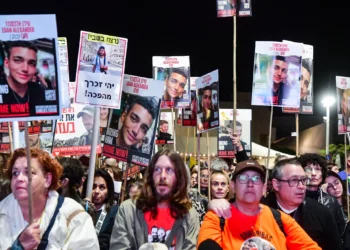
x: 25, y: 90
x: 208, y: 116
x: 100, y: 63
x: 135, y: 122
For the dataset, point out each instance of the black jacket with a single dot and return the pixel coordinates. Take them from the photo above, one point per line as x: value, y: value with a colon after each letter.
x: 104, y: 237
x: 332, y: 203
x: 316, y: 220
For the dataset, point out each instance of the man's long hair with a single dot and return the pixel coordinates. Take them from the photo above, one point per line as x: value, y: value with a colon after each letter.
x: 179, y: 202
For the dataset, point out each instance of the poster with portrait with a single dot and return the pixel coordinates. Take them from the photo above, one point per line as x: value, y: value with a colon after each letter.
x: 131, y: 130
x: 343, y: 103
x: 226, y: 149
x: 189, y: 115
x: 5, y: 146
x: 100, y: 69
x: 245, y: 8
x: 29, y: 88
x: 306, y: 80
x: 43, y: 141
x: 226, y: 8
x: 165, y: 132
x: 73, y: 134
x: 179, y: 117
x: 276, y: 77
x: 64, y: 71
x: 174, y: 72
x: 207, y: 101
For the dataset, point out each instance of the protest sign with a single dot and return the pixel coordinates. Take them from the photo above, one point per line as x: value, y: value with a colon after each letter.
x: 343, y: 103
x: 189, y: 115
x: 64, y: 71
x: 131, y: 130
x: 100, y: 69
x: 175, y: 74
x: 207, y: 101
x: 226, y: 8
x: 165, y: 131
x: 276, y: 79
x: 29, y: 88
x: 226, y: 149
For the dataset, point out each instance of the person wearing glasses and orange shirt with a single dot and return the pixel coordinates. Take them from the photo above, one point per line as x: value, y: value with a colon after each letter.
x: 251, y: 221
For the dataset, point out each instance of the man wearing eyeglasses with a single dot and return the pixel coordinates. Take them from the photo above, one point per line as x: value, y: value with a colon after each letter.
x: 315, y: 167
x: 289, y: 182
x: 250, y: 220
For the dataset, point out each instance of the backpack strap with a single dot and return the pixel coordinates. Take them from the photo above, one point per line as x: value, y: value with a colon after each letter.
x: 277, y: 215
x: 173, y: 232
x: 222, y: 223
x: 44, y: 240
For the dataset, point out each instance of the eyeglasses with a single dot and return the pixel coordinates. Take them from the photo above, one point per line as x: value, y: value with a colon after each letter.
x: 334, y: 185
x: 244, y: 179
x: 295, y: 181
x: 317, y: 169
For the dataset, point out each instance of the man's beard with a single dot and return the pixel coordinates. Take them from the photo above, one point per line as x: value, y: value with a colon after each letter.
x: 164, y: 197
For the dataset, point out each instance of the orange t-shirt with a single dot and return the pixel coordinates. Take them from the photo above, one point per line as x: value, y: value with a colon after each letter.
x: 255, y: 232
x: 159, y: 229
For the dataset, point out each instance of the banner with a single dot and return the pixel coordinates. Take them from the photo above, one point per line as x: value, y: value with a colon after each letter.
x: 73, y: 135
x: 343, y: 103
x: 100, y: 69
x: 226, y: 149
x: 189, y: 117
x: 29, y: 88
x: 207, y: 102
x: 34, y: 127
x: 64, y: 71
x: 306, y: 82
x: 131, y: 130
x: 165, y: 133
x: 226, y: 8
x: 245, y: 8
x: 277, y: 70
x: 175, y: 73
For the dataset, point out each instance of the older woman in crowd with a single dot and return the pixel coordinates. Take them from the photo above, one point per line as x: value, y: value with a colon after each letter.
x: 219, y: 182
x: 58, y: 223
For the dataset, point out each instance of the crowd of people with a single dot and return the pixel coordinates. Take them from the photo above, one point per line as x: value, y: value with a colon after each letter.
x: 303, y: 205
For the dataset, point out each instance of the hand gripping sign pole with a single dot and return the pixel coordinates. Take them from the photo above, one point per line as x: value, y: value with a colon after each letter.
x: 95, y: 142
x: 29, y: 169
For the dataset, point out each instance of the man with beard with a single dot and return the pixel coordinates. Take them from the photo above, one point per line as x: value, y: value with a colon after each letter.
x: 289, y: 182
x: 315, y: 167
x: 163, y: 204
x: 103, y: 200
x: 87, y: 115
x: 305, y: 80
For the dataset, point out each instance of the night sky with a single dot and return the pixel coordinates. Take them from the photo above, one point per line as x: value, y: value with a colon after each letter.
x: 191, y: 28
